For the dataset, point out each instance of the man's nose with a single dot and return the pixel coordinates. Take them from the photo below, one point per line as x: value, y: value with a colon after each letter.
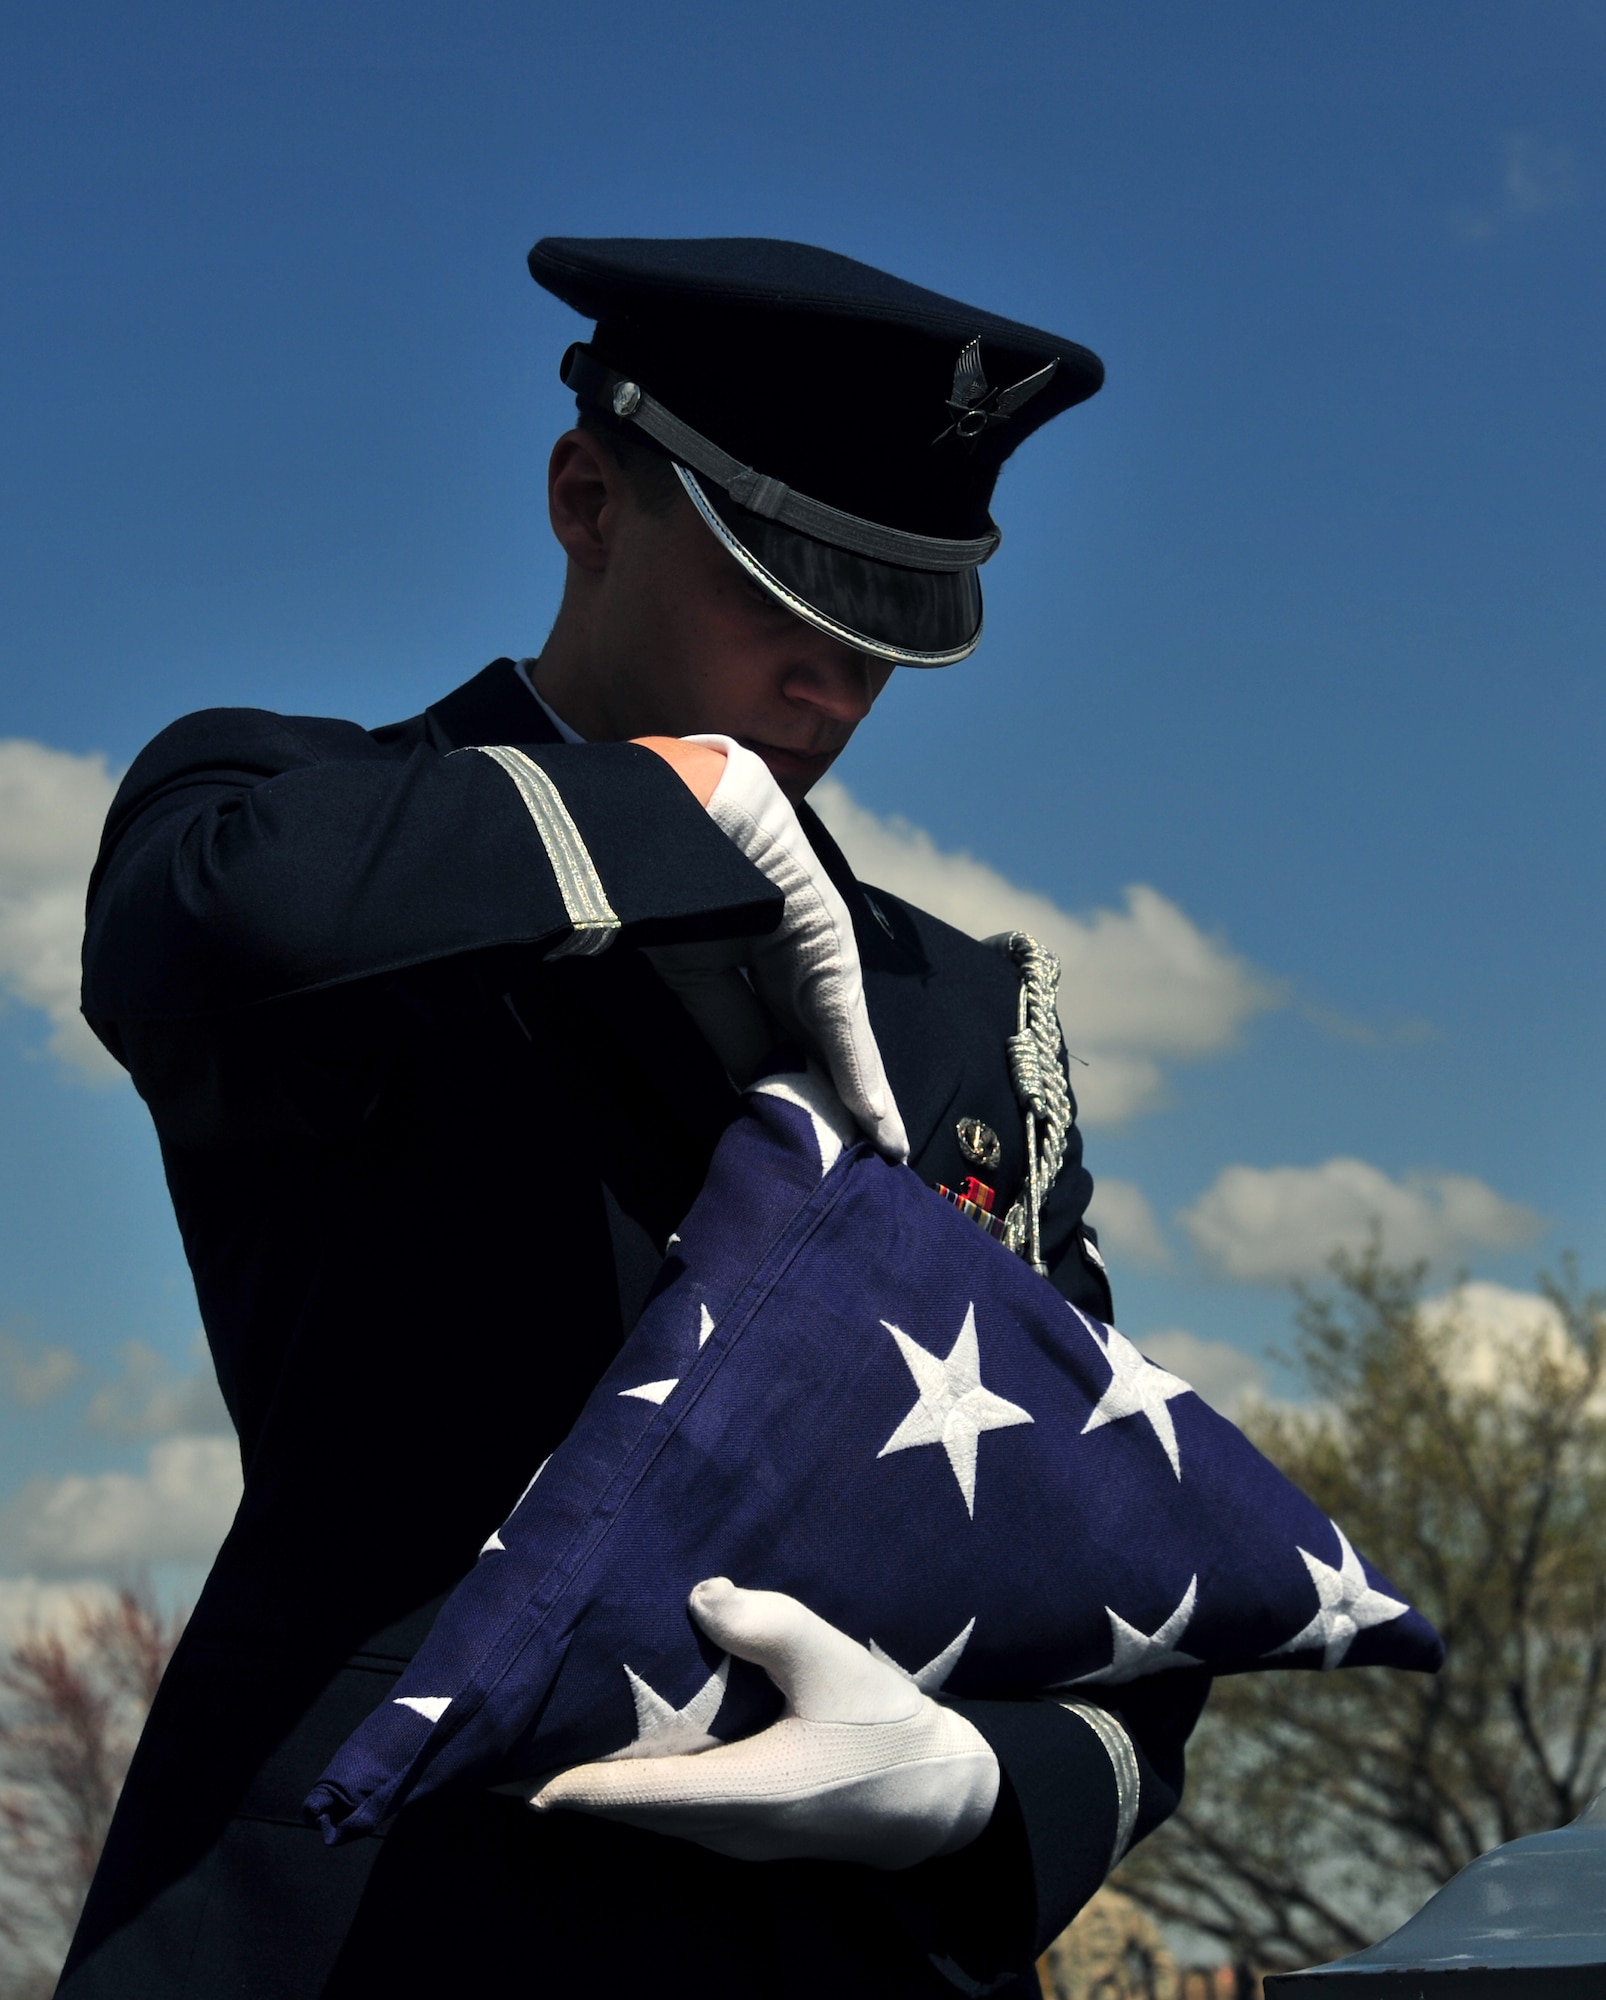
x: 832, y: 678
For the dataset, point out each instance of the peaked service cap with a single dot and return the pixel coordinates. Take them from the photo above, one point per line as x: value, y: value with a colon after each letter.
x: 838, y: 429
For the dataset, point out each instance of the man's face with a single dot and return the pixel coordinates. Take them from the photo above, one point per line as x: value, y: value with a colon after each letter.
x: 680, y: 641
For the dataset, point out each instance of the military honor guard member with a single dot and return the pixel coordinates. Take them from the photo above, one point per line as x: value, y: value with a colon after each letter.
x: 440, y: 1023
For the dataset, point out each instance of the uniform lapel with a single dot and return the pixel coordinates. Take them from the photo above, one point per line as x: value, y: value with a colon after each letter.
x: 496, y: 706
x: 491, y: 709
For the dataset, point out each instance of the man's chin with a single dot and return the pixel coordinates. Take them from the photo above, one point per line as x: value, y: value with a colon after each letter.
x: 795, y: 771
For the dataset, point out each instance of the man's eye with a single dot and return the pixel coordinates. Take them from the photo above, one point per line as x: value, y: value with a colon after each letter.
x: 764, y: 604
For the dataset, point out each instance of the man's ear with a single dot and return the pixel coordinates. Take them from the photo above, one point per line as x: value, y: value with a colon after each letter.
x: 585, y: 488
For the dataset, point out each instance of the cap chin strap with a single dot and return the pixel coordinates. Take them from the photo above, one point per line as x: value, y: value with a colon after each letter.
x: 771, y: 499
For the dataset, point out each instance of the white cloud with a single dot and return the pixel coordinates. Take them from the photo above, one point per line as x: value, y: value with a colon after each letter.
x: 1140, y: 986
x: 1493, y: 1334
x: 149, y: 1400
x: 1535, y: 179
x: 177, y: 1510
x: 1275, y: 1223
x: 52, y: 805
x: 35, y: 1374
x: 1126, y: 1224
x: 1224, y: 1375
x: 1496, y: 1334
x: 29, y: 1606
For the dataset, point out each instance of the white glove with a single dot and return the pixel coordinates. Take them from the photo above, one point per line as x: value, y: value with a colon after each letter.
x: 861, y: 1766
x: 807, y: 971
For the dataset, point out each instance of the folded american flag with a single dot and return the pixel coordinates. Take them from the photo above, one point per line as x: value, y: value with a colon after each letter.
x: 844, y: 1390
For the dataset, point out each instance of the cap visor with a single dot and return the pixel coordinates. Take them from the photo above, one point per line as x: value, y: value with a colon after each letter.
x: 918, y: 618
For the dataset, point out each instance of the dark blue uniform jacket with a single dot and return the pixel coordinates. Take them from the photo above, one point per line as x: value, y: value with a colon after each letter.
x: 424, y: 1175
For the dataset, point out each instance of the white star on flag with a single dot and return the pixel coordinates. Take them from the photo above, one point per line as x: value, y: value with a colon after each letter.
x: 1134, y: 1653
x: 812, y: 1092
x: 1137, y: 1388
x: 951, y: 1407
x: 660, y: 1392
x: 654, y: 1392
x: 663, y: 1730
x: 430, y: 1706
x: 933, y: 1676
x: 494, y: 1539
x: 1346, y: 1605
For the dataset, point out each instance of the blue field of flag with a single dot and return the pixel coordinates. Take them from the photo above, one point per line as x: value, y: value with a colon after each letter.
x: 843, y: 1389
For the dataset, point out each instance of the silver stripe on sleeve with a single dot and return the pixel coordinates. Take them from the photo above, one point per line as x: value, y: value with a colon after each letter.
x: 1124, y: 1760
x: 579, y: 884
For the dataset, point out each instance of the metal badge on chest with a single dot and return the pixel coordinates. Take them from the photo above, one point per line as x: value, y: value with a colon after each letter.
x: 1036, y: 1069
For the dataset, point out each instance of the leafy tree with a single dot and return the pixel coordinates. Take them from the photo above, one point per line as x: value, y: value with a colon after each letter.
x: 1322, y: 1810
x: 71, y: 1710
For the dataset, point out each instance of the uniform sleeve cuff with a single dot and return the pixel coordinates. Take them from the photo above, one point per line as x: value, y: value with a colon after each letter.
x: 662, y: 866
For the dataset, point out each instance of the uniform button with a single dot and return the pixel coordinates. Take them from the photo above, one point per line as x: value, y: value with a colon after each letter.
x: 978, y: 1142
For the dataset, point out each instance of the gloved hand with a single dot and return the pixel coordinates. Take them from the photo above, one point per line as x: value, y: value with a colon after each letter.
x: 861, y: 1766
x: 807, y: 970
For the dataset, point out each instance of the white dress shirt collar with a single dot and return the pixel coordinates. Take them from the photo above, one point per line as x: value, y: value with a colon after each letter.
x: 526, y: 670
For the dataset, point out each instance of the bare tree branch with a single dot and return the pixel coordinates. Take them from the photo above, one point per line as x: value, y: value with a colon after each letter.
x: 1322, y: 1811
x: 70, y: 1714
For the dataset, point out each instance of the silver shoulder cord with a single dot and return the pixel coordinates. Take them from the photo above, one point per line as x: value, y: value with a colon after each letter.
x: 1037, y: 1070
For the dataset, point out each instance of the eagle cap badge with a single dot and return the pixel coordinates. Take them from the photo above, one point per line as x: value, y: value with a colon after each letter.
x: 976, y: 404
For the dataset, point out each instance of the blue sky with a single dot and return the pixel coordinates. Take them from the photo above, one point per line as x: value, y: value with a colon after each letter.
x: 1298, y: 625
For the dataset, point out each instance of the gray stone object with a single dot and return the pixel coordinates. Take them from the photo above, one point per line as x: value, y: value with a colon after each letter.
x: 1526, y: 1918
